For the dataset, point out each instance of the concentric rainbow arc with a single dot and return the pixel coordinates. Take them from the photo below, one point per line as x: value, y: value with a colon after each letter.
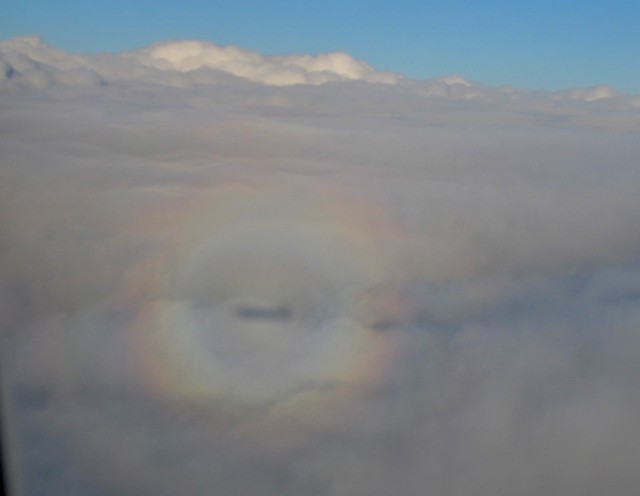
x: 263, y: 298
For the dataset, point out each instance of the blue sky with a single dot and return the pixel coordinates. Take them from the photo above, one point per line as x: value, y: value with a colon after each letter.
x: 544, y: 44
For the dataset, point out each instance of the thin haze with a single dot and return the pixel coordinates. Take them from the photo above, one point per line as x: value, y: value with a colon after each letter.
x: 225, y: 272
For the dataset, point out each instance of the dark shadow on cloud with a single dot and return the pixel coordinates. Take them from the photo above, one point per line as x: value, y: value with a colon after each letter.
x: 277, y: 313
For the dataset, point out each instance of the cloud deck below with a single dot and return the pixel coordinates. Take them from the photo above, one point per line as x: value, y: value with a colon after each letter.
x: 217, y: 281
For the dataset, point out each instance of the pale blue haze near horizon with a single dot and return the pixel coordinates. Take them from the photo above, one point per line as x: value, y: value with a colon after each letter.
x: 535, y: 45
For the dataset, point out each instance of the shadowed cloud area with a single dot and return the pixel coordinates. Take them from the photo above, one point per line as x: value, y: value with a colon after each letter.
x: 229, y: 273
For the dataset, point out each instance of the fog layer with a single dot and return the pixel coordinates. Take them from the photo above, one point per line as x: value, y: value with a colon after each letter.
x: 228, y: 273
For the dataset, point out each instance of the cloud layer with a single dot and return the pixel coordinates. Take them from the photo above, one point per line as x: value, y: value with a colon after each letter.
x: 29, y: 61
x: 222, y: 275
x: 35, y: 63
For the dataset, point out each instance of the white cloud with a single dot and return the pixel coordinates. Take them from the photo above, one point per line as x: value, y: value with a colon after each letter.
x: 593, y: 94
x: 152, y: 63
x: 191, y: 55
x: 211, y: 284
x: 30, y: 61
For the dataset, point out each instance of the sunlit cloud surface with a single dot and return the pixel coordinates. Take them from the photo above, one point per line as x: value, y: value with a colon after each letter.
x: 230, y: 273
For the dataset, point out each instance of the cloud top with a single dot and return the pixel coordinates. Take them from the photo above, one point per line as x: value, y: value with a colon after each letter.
x: 229, y: 273
x: 38, y: 64
x: 186, y: 56
x: 182, y: 63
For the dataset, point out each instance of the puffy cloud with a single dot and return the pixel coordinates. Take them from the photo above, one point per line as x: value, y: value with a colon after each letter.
x: 30, y: 61
x: 188, y: 56
x: 210, y: 284
x: 22, y: 56
x: 593, y: 94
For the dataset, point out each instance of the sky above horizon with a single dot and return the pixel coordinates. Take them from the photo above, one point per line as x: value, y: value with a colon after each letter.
x: 546, y: 45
